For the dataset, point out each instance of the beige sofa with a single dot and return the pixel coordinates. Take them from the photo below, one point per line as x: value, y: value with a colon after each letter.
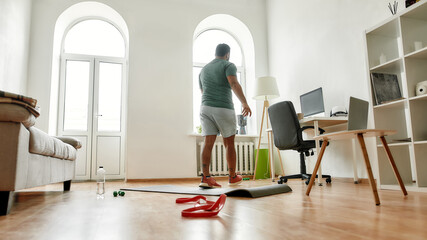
x: 29, y: 157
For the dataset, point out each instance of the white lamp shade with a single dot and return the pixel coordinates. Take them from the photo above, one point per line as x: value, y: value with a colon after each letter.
x: 266, y: 88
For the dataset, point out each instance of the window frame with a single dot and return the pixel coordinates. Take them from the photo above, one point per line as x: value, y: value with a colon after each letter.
x: 92, y: 131
x: 82, y: 19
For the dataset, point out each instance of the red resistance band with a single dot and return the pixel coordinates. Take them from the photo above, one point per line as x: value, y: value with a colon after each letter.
x: 207, y: 209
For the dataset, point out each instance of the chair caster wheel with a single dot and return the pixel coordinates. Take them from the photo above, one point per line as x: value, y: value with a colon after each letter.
x: 328, y: 180
x: 283, y: 179
x: 307, y: 181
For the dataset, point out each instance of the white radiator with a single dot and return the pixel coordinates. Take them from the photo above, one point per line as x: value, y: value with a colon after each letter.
x: 244, y: 158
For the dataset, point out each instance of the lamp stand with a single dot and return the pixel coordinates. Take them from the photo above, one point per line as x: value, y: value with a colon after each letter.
x: 270, y: 153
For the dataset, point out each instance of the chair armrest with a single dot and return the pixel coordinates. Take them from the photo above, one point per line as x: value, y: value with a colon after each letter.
x: 311, y: 127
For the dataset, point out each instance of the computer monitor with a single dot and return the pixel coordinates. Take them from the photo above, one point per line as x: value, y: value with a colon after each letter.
x: 312, y: 102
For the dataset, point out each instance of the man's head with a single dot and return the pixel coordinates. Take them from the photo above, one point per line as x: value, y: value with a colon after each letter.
x: 222, y: 51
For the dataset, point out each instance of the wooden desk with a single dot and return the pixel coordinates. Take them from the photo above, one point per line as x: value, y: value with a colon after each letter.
x: 360, y: 135
x: 322, y: 122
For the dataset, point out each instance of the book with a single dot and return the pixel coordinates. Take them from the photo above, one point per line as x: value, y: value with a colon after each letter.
x: 385, y: 87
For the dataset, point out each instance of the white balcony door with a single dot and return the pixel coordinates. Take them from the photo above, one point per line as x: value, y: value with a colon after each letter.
x: 92, y: 91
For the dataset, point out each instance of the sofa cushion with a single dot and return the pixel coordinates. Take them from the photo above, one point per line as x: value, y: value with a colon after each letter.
x: 15, y: 113
x: 43, y: 144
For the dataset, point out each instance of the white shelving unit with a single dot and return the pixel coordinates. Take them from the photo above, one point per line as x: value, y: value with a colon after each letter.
x: 391, y: 49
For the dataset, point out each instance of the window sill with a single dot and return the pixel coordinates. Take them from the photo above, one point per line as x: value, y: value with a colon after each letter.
x: 237, y: 136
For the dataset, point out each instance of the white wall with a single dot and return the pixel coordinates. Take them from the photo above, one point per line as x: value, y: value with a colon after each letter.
x: 160, y: 74
x: 15, y: 16
x: 316, y: 43
x: 311, y: 43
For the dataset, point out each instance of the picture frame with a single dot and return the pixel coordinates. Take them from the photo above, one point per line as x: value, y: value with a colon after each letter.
x: 385, y: 87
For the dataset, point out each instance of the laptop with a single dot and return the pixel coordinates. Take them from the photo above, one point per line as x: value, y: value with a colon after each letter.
x: 358, y: 114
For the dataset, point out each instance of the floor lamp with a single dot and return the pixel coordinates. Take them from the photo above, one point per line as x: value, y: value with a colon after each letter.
x: 265, y: 89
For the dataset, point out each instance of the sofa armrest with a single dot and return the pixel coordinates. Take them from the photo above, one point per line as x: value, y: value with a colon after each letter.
x: 72, y: 141
x: 14, y: 144
x: 15, y: 113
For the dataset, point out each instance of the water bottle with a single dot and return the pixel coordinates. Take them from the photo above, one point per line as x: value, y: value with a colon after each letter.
x: 100, y: 182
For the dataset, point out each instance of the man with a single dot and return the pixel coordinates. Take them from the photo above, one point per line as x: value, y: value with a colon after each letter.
x: 217, y: 115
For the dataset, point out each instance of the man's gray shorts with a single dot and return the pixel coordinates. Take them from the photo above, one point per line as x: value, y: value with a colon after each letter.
x: 218, y: 120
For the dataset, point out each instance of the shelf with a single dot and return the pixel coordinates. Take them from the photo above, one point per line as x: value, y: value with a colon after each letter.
x: 420, y: 54
x: 413, y: 30
x: 415, y: 72
x: 420, y: 151
x: 418, y: 118
x: 409, y: 187
x: 417, y: 11
x: 392, y: 116
x: 420, y: 142
x: 419, y: 98
x: 383, y: 42
x: 398, y: 46
x: 395, y: 144
x: 401, y: 157
x: 389, y: 29
x: 391, y: 66
x: 394, y: 104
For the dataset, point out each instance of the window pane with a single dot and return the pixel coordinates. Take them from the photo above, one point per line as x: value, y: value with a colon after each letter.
x: 76, y: 95
x: 205, y: 45
x: 109, y: 101
x: 95, y: 37
x: 197, y: 97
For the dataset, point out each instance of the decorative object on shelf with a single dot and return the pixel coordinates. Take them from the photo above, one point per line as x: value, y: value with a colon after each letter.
x: 393, y: 9
x: 241, y: 120
x: 421, y: 88
x: 386, y: 87
x: 383, y: 58
x: 402, y: 140
x: 418, y: 45
x: 338, y: 111
x: 410, y: 2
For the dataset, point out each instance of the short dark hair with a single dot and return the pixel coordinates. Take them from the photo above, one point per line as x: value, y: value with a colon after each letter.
x: 222, y: 49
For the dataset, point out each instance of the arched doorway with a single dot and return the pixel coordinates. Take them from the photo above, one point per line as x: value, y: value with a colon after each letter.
x: 91, y: 103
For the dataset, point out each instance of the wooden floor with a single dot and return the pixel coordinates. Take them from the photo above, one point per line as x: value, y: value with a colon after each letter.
x: 341, y: 210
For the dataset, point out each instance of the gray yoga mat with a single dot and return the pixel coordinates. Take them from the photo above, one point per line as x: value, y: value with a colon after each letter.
x: 253, y: 192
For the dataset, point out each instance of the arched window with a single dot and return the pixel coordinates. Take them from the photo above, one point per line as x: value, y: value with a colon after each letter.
x: 95, y: 37
x: 203, y: 52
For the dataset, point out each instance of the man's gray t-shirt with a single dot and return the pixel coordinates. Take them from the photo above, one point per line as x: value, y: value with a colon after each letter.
x: 214, y: 83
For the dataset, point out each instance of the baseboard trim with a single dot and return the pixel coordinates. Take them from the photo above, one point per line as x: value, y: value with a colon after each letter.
x: 334, y: 179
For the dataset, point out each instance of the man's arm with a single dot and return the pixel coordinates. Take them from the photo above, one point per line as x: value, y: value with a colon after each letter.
x: 237, y: 89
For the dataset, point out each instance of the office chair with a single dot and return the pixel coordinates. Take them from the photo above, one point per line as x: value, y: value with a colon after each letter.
x: 288, y: 136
